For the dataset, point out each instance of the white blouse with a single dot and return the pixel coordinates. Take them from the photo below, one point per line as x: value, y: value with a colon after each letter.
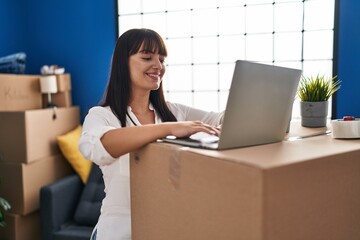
x: 115, y: 219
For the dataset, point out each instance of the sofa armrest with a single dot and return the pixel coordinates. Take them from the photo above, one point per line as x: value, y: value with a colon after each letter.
x: 58, y: 202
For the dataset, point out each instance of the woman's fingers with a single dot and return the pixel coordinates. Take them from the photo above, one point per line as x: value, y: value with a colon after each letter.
x: 184, y: 129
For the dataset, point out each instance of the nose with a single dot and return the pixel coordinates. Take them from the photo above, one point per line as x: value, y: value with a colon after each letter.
x: 157, y: 64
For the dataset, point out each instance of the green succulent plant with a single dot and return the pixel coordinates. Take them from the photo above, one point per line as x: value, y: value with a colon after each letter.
x: 317, y: 89
x: 4, y: 206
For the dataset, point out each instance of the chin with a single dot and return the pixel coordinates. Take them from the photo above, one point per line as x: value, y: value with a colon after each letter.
x: 156, y: 88
x: 156, y: 85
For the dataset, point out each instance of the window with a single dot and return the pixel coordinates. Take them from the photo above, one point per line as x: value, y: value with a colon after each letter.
x: 206, y: 37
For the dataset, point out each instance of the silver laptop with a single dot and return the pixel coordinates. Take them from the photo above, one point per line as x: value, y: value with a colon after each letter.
x: 258, y: 109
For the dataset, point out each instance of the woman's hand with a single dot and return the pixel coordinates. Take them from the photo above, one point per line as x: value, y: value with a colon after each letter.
x: 124, y: 140
x: 187, y: 128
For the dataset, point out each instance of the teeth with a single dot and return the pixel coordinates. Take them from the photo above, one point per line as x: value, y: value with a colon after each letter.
x: 153, y: 75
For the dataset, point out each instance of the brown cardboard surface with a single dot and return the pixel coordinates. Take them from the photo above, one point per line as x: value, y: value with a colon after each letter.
x: 26, y: 136
x: 21, y: 183
x: 316, y: 199
x: 60, y: 99
x: 284, y: 153
x: 19, y: 92
x: 195, y: 198
x: 21, y: 227
x: 304, y: 189
x: 63, y: 82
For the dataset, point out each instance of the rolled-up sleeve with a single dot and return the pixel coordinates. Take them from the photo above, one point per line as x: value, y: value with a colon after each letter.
x: 97, y: 122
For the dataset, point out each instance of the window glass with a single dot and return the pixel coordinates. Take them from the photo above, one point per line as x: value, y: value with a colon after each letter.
x: 178, y: 24
x: 199, y: 4
x: 179, y: 51
x: 223, y: 97
x: 288, y: 16
x: 232, y: 20
x: 319, y: 14
x: 179, y: 78
x: 231, y: 48
x: 225, y: 75
x: 206, y: 100
x: 205, y: 50
x: 259, y: 47
x: 205, y: 77
x: 177, y: 5
x: 180, y: 97
x: 153, y: 6
x: 205, y: 37
x: 287, y: 46
x: 204, y: 22
x: 318, y: 44
x: 127, y: 22
x: 155, y: 21
x: 259, y: 18
x: 126, y: 6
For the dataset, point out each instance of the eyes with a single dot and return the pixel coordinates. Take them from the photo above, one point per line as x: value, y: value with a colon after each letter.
x: 148, y: 57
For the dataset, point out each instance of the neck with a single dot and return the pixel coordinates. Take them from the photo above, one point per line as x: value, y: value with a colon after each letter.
x: 140, y: 104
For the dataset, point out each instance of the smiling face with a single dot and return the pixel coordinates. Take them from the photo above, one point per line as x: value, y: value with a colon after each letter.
x: 146, y: 70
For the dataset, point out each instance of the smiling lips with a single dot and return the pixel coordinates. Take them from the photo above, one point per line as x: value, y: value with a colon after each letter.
x: 154, y: 76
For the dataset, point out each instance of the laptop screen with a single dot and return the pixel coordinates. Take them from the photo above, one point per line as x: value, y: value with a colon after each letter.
x: 259, y: 105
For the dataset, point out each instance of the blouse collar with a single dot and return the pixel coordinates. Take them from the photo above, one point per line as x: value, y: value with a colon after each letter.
x: 133, y: 119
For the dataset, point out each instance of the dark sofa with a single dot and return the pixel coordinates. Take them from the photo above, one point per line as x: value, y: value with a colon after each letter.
x: 69, y: 209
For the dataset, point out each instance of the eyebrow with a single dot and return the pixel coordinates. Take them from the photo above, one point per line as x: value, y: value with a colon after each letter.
x: 150, y: 52
x: 146, y: 51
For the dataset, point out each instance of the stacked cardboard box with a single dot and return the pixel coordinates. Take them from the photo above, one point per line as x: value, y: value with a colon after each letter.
x: 22, y: 92
x: 29, y: 155
x: 19, y: 92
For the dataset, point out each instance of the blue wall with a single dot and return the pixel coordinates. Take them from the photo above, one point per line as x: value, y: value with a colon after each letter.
x: 12, y: 29
x: 78, y: 35
x: 348, y: 102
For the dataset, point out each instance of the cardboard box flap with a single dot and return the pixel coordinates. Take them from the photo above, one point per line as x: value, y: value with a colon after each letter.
x: 283, y: 153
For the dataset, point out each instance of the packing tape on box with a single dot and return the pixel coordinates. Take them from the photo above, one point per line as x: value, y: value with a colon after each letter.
x: 345, y: 129
x: 175, y: 167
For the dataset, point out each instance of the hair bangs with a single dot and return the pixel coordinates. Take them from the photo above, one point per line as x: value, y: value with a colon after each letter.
x: 149, y: 41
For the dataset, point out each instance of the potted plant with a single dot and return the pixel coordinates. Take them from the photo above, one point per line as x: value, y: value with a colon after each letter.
x: 314, y: 93
x: 4, y: 206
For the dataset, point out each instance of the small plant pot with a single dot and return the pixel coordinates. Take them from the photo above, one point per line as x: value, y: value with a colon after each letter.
x: 314, y: 114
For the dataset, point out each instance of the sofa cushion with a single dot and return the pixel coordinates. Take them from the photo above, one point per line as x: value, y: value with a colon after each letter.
x: 73, y: 232
x: 68, y: 144
x: 88, y: 210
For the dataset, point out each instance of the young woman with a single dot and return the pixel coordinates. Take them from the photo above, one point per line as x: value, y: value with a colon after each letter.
x: 133, y: 114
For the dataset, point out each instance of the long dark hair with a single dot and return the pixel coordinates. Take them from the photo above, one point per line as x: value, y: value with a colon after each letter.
x: 117, y: 93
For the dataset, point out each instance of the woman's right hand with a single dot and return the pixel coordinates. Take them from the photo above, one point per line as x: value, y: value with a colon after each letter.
x: 187, y: 128
x: 124, y: 140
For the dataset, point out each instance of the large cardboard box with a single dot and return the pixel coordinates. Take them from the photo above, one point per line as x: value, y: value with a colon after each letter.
x: 26, y: 136
x: 304, y: 189
x: 19, y: 227
x: 21, y: 182
x: 19, y: 92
